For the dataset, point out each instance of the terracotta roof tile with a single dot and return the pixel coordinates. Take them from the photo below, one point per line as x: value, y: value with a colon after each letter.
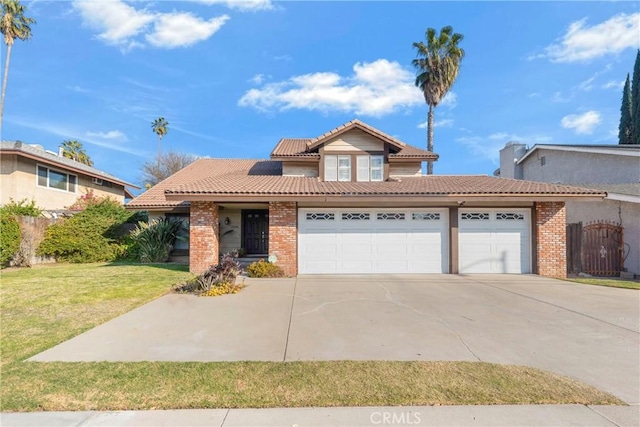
x: 247, y: 182
x: 293, y: 147
x: 196, y: 171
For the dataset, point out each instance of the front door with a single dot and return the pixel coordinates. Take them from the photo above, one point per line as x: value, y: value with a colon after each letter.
x: 255, y: 228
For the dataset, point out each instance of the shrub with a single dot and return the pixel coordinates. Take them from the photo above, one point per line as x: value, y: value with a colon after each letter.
x: 22, y: 208
x: 216, y: 280
x: 264, y: 269
x: 89, y: 236
x: 154, y: 240
x: 9, y: 237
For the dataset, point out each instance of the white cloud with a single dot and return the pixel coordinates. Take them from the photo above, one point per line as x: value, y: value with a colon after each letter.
x: 242, y: 5
x: 444, y: 123
x: 559, y: 97
x: 181, y: 29
x: 583, y: 43
x: 533, y: 95
x: 450, y: 100
x: 374, y: 89
x: 612, y: 84
x: 581, y: 123
x: 258, y: 79
x: 488, y: 147
x: 121, y: 24
x: 112, y: 134
x: 587, y: 85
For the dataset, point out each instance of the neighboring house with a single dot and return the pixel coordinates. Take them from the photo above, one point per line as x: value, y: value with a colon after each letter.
x: 51, y: 180
x: 611, y: 168
x: 354, y: 200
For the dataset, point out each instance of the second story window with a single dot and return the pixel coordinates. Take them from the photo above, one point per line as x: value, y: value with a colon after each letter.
x: 370, y: 168
x: 58, y: 180
x: 337, y: 168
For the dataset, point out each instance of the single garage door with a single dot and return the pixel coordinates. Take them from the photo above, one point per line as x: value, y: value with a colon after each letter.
x: 494, y: 240
x: 361, y: 241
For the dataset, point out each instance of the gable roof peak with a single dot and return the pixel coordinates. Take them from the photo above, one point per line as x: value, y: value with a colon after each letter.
x: 355, y: 124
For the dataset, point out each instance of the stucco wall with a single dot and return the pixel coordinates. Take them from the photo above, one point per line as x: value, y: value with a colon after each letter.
x: 230, y: 234
x: 300, y: 169
x: 575, y: 167
x: 612, y: 210
x: 19, y: 181
x: 405, y: 169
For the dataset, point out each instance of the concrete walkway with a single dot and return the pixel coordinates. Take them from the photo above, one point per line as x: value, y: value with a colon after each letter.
x: 538, y: 415
x: 585, y: 332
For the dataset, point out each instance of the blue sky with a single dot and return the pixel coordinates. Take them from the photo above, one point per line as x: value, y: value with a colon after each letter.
x: 234, y: 77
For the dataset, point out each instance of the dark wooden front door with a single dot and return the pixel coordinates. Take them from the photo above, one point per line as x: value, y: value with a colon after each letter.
x: 255, y: 228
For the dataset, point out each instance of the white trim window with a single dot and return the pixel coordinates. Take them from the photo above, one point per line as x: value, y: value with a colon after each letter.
x: 55, y: 179
x: 370, y: 168
x: 337, y: 168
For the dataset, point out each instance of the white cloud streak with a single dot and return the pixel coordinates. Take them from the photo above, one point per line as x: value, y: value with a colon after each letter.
x: 489, y: 146
x: 444, y: 123
x: 583, y: 43
x: 582, y: 124
x: 115, y: 135
x: 121, y: 24
x: 242, y: 5
x: 374, y: 89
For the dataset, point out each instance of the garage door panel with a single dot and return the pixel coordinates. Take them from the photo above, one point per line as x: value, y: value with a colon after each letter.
x: 494, y: 241
x: 390, y: 241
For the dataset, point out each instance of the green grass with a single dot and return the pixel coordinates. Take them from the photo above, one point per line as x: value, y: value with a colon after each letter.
x: 43, y: 306
x: 614, y: 283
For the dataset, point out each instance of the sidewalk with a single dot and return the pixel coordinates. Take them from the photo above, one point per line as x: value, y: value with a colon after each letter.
x: 498, y: 415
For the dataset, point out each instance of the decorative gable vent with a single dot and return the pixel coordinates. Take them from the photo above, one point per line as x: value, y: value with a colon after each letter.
x: 98, y: 181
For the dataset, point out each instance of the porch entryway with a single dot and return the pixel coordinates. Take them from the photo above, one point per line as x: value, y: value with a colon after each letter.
x: 255, y: 231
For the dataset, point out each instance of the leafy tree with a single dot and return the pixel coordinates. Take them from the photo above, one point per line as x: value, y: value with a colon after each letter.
x: 625, y: 130
x: 437, y: 64
x: 635, y: 101
x: 74, y: 150
x: 13, y: 25
x: 165, y: 165
x: 160, y: 127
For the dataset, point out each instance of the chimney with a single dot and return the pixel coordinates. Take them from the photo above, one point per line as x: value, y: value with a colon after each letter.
x: 509, y: 156
x: 60, y: 151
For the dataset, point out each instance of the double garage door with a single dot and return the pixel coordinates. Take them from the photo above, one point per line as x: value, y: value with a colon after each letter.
x: 361, y: 241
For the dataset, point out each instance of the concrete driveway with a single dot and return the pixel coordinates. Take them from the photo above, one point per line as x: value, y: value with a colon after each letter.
x: 586, y: 332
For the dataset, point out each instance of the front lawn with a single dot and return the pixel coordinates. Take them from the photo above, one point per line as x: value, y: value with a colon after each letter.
x: 611, y: 282
x: 43, y: 306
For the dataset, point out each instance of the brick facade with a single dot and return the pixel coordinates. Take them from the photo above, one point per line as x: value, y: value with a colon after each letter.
x: 551, y: 238
x: 203, y: 236
x: 283, y: 235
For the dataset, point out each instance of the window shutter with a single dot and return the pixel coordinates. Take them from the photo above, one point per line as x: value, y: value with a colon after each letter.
x: 363, y: 168
x: 330, y: 168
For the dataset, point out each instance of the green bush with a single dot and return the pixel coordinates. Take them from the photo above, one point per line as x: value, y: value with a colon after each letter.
x: 22, y: 208
x: 264, y: 269
x: 9, y: 237
x: 89, y: 236
x: 154, y: 240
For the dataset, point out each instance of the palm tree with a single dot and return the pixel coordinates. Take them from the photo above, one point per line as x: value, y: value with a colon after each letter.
x: 74, y: 150
x: 14, y: 25
x: 160, y: 127
x: 437, y: 65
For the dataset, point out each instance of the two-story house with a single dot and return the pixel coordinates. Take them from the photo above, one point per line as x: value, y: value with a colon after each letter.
x: 54, y: 182
x: 354, y: 200
x: 614, y: 169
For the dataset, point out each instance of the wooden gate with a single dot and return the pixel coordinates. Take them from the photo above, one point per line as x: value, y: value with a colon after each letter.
x: 574, y: 248
x: 602, y: 247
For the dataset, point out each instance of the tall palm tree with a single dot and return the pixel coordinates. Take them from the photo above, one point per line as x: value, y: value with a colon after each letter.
x: 160, y: 127
x: 72, y: 149
x: 14, y: 25
x: 437, y: 64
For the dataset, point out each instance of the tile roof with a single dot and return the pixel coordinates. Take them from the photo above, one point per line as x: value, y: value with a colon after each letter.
x: 304, y: 147
x: 628, y: 189
x: 38, y: 153
x: 196, y: 171
x: 261, y: 179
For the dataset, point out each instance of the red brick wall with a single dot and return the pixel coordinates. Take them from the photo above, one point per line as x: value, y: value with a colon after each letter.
x: 203, y: 236
x: 283, y: 235
x: 551, y: 234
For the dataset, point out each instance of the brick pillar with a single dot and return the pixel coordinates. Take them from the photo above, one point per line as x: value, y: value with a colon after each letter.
x: 551, y: 235
x: 203, y: 236
x: 283, y: 235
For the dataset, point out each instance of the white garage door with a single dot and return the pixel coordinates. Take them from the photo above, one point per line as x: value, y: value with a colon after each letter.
x: 494, y: 240
x: 360, y: 241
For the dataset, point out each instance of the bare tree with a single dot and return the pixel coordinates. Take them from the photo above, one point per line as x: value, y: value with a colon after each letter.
x: 165, y: 165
